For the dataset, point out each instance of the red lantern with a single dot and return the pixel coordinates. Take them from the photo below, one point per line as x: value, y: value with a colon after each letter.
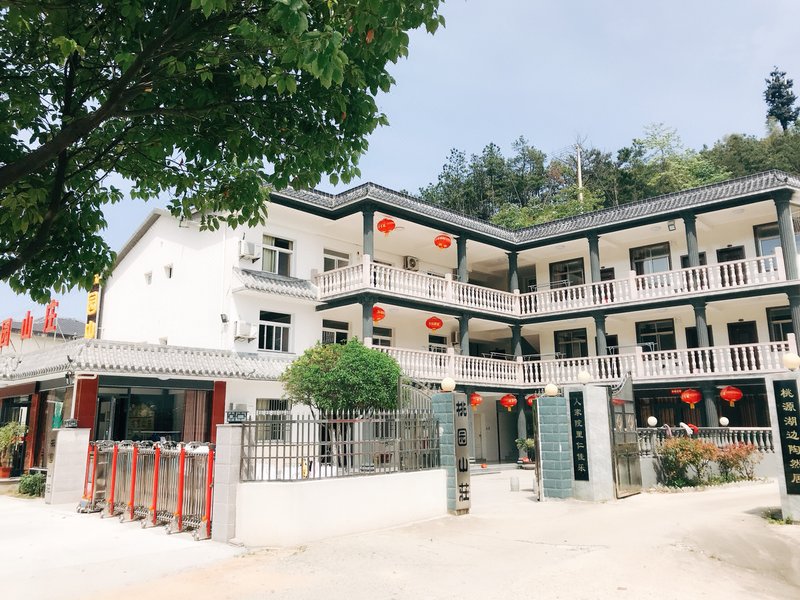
x: 475, y: 400
x: 617, y: 401
x: 531, y: 399
x: 442, y: 241
x: 508, y: 401
x: 731, y: 394
x: 691, y: 397
x: 434, y: 323
x: 386, y: 226
x: 378, y: 313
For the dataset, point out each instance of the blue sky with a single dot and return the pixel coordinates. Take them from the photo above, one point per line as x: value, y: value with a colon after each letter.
x: 554, y: 71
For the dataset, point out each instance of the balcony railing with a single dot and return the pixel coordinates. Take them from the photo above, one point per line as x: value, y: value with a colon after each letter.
x: 716, y: 361
x: 692, y: 281
x: 651, y: 438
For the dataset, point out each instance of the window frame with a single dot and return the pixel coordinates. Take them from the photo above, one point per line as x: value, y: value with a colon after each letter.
x: 378, y: 338
x: 336, y: 256
x: 656, y: 344
x: 583, y: 347
x: 333, y: 327
x: 772, y: 322
x: 278, y: 252
x: 279, y: 410
x: 263, y: 327
x: 567, y: 277
x: 635, y: 263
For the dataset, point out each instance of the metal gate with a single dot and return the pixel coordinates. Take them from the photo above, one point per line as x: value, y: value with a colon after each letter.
x: 624, y: 441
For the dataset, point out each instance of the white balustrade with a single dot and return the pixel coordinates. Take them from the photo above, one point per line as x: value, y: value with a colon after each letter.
x: 651, y: 438
x: 715, y: 360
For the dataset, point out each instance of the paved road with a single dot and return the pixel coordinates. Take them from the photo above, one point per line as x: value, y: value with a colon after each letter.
x: 711, y: 544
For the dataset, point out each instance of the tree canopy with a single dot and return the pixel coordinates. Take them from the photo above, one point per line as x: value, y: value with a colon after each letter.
x: 780, y: 99
x: 335, y: 377
x: 208, y: 101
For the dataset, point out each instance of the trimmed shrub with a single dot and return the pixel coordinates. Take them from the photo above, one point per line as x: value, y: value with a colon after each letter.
x: 738, y: 461
x: 678, y: 455
x: 32, y: 484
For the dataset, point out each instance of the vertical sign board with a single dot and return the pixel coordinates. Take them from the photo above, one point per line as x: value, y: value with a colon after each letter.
x: 92, y: 309
x: 580, y: 455
x: 788, y: 408
x: 461, y: 424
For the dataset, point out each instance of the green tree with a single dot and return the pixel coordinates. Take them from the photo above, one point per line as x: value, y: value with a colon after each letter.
x: 209, y: 101
x: 780, y: 99
x: 336, y: 377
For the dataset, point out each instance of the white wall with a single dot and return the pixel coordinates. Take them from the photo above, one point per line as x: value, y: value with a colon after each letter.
x: 292, y: 513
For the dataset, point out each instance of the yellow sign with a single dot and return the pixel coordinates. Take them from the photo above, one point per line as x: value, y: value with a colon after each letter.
x: 92, y: 310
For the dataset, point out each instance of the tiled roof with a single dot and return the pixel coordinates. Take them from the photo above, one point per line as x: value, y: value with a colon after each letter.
x: 766, y: 182
x: 107, y: 357
x: 276, y: 284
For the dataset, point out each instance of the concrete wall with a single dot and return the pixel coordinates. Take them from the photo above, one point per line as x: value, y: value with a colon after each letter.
x: 292, y: 513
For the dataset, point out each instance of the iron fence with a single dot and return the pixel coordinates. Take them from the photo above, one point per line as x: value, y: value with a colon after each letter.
x: 286, y: 447
x: 651, y: 438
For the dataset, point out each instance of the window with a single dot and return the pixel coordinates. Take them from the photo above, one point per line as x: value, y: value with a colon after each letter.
x: 273, y: 331
x: 437, y: 343
x: 334, y: 332
x: 651, y: 259
x: 656, y: 335
x: 381, y: 336
x: 276, y: 414
x: 566, y: 273
x: 334, y: 260
x: 168, y: 271
x: 571, y: 343
x: 768, y: 238
x: 148, y: 278
x: 276, y: 255
x: 780, y: 323
x: 685, y: 260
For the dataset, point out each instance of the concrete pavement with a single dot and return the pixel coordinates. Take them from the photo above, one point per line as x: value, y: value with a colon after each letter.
x: 709, y: 544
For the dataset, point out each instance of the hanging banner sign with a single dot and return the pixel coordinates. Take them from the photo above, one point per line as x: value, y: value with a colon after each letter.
x: 461, y: 425
x: 92, y: 310
x: 577, y: 421
x: 788, y: 409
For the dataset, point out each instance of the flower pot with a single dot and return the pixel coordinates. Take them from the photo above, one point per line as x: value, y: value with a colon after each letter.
x: 5, y: 472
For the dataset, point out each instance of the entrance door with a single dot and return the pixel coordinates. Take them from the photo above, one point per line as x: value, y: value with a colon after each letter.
x: 624, y: 441
x: 742, y: 333
x: 477, y: 430
x: 731, y: 274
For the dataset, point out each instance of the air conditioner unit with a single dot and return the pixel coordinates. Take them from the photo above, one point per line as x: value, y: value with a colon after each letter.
x: 245, y: 331
x: 247, y: 250
x: 455, y: 338
x: 411, y: 263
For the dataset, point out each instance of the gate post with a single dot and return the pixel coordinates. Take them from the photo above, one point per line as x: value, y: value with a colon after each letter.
x: 452, y: 412
x: 226, y: 482
x: 66, y: 466
x: 783, y: 400
x: 555, y: 477
x: 598, y: 486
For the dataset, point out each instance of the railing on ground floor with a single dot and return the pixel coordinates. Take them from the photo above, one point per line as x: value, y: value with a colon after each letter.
x: 651, y: 438
x: 287, y: 447
x: 717, y: 361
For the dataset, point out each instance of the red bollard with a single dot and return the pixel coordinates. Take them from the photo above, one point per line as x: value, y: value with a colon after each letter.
x: 86, y: 493
x: 209, y: 487
x: 113, y: 480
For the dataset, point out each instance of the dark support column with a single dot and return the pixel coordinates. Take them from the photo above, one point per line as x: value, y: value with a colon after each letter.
x: 701, y: 324
x: 709, y: 395
x: 461, y: 250
x: 516, y: 340
x: 594, y: 257
x: 786, y: 231
x: 600, y: 332
x: 368, y: 215
x: 692, y: 250
x: 794, y: 309
x: 513, y: 276
x: 366, y: 317
x: 463, y: 334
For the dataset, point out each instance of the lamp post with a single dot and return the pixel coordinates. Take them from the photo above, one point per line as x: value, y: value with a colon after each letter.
x: 584, y: 377
x: 551, y: 389
x: 448, y: 384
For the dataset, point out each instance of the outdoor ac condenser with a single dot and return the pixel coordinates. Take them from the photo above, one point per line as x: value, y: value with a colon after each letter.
x: 247, y: 250
x: 411, y: 263
x: 245, y: 331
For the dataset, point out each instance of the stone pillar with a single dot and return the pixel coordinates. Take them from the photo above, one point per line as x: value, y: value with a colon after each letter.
x: 226, y: 482
x: 786, y: 231
x: 690, y: 228
x: 701, y: 324
x: 790, y: 503
x: 218, y: 399
x: 463, y: 334
x: 67, y: 469
x: 368, y: 224
x: 366, y: 318
x: 709, y: 396
x: 516, y: 340
x: 33, y: 431
x: 794, y: 309
x: 600, y: 485
x: 461, y: 251
x: 555, y: 453
x: 594, y: 257
x: 447, y: 412
x: 513, y: 274
x: 600, y: 332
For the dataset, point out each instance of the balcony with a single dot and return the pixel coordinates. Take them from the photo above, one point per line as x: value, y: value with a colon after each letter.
x: 707, y: 280
x: 747, y: 360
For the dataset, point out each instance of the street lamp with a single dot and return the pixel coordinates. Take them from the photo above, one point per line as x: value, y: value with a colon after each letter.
x: 551, y: 389
x: 724, y: 421
x: 652, y: 421
x: 791, y: 360
x: 584, y: 377
x: 448, y: 384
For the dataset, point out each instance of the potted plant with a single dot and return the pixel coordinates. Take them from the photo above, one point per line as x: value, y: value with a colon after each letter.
x: 525, y: 447
x: 10, y: 437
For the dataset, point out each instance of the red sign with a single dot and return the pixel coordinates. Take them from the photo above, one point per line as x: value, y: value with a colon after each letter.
x: 26, y: 330
x: 50, y: 317
x: 676, y: 391
x: 5, y: 333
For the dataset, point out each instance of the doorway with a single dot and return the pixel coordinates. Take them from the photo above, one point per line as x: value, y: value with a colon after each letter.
x: 743, y: 333
x: 731, y: 274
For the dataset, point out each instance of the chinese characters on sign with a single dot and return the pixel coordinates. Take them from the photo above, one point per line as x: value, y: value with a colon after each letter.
x: 92, y: 308
x: 580, y: 454
x: 788, y: 408
x: 460, y: 424
x: 26, y: 326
